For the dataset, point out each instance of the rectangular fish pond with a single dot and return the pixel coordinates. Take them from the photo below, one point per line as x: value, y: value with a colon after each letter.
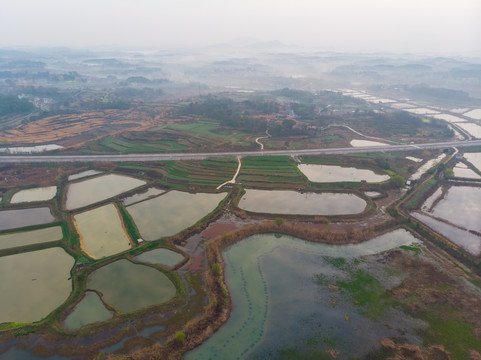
x: 293, y: 202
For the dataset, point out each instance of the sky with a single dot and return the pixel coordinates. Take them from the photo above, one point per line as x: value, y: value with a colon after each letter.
x: 427, y: 27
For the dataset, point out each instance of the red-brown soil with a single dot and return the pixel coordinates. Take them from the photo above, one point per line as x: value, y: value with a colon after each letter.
x: 217, y: 229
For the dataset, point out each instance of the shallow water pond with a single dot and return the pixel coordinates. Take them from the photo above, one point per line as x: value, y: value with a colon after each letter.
x: 30, y: 237
x: 11, y: 219
x: 33, y: 284
x: 334, y: 173
x: 36, y: 194
x: 161, y: 256
x: 129, y: 287
x: 292, y: 202
x: 103, y: 187
x: 101, y: 232
x: 89, y: 310
x: 279, y: 307
x: 172, y: 212
x: 83, y: 174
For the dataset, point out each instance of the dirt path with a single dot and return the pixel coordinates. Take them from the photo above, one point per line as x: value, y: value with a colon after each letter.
x: 232, y: 181
x: 366, y: 136
x: 263, y: 137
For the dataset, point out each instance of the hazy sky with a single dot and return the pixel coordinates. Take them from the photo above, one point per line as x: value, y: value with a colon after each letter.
x: 449, y: 27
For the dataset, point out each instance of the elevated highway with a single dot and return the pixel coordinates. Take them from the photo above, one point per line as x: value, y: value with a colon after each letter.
x: 201, y: 156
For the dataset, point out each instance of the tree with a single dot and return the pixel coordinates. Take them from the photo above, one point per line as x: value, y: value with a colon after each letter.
x: 397, y: 181
x: 449, y: 173
x: 279, y: 221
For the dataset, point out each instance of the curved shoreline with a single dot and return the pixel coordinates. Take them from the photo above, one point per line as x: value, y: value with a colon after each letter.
x: 218, y: 311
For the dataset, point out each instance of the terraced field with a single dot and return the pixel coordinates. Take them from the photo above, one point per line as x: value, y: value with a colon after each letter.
x: 75, y: 128
x: 267, y: 172
x: 175, y: 136
x: 205, y: 173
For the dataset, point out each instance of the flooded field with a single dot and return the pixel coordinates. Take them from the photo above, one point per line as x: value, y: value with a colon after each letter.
x: 30, y: 149
x: 11, y: 219
x: 473, y: 129
x: 33, y: 284
x: 152, y: 192
x: 37, y: 194
x: 292, y: 202
x: 170, y: 213
x: 93, y: 190
x: 101, y: 232
x: 89, y: 310
x: 474, y: 114
x: 465, y: 172
x: 415, y: 159
x: 362, y: 143
x: 129, y: 287
x: 430, y: 200
x: 282, y: 311
x: 475, y: 159
x: 30, y: 237
x: 422, y: 111
x: 334, y: 173
x: 461, y: 206
x: 162, y: 256
x: 449, y: 118
x: 462, y: 238
x: 426, y: 166
x: 83, y: 174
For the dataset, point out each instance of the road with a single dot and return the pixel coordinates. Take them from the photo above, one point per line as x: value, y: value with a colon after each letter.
x: 201, y: 156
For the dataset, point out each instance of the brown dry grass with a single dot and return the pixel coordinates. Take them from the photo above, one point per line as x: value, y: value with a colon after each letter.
x: 60, y: 127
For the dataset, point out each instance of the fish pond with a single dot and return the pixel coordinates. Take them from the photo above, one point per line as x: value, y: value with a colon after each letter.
x: 101, y: 232
x: 283, y: 307
x: 460, y: 237
x: 150, y: 193
x: 172, y: 212
x: 33, y: 284
x: 89, y: 310
x: 91, y: 191
x: 334, y: 173
x: 36, y: 194
x: 461, y: 206
x: 164, y: 257
x: 11, y: 219
x: 8, y: 241
x: 293, y: 202
x: 130, y: 287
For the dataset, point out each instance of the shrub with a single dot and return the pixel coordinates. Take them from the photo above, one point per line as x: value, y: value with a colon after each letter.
x: 216, y: 269
x: 179, y: 336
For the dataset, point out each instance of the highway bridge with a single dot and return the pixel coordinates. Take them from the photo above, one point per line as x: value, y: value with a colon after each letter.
x: 34, y: 158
